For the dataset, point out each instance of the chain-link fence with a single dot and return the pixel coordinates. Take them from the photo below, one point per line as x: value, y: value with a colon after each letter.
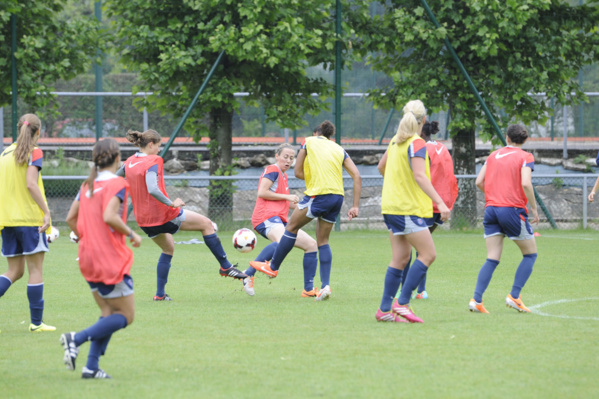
x: 229, y: 201
x: 361, y: 122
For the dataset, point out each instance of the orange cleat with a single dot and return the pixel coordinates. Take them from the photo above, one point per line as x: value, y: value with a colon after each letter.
x: 264, y: 267
x: 477, y: 307
x: 517, y: 304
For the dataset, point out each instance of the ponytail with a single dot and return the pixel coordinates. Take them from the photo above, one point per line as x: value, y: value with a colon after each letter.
x: 104, y: 153
x: 28, y: 126
x: 413, y: 117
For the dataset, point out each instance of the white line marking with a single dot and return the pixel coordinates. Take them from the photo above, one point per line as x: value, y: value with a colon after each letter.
x: 535, y: 308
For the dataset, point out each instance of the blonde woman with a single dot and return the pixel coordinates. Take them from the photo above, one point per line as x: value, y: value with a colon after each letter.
x: 407, y: 200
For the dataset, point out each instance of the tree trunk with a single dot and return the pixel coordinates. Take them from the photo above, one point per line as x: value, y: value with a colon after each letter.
x: 464, y: 159
x: 220, y: 208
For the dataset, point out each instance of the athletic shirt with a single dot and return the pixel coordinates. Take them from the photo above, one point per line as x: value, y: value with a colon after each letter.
x: 264, y: 208
x: 442, y: 176
x: 323, y: 166
x: 503, y: 178
x: 17, y: 206
x: 103, y: 253
x: 148, y: 210
x: 401, y: 194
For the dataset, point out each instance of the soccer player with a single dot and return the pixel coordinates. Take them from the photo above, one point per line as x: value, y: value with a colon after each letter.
x: 596, y: 186
x: 445, y: 184
x: 320, y: 162
x: 506, y: 181
x: 406, y: 203
x: 270, y: 218
x: 158, y: 216
x: 97, y: 217
x: 25, y: 217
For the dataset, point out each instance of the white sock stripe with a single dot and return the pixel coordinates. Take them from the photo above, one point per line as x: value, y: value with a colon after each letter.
x: 34, y: 285
x: 9, y: 280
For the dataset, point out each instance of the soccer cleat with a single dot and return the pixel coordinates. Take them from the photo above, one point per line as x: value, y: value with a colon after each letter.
x: 388, y: 317
x: 70, y: 349
x: 41, y: 328
x: 477, y: 307
x: 248, y: 285
x: 232, y: 272
x: 405, y: 312
x: 99, y: 373
x: 517, y: 304
x: 422, y: 295
x: 264, y: 267
x: 323, y: 294
x: 165, y: 297
x: 310, y: 294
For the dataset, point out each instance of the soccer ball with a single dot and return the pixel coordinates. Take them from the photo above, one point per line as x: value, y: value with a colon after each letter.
x: 53, y: 235
x: 73, y: 237
x: 244, y: 240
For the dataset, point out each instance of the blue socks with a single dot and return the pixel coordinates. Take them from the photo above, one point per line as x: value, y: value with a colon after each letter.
x: 97, y: 348
x: 285, y: 246
x: 310, y: 266
x: 35, y: 294
x: 325, y: 256
x: 5, y: 284
x: 522, y: 274
x: 102, y: 329
x: 484, y: 278
x: 164, y: 265
x: 417, y: 272
x: 392, y: 281
x: 213, y: 243
x: 264, y: 255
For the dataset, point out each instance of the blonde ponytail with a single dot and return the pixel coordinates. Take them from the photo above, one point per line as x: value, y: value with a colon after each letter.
x: 411, y: 122
x: 28, y: 126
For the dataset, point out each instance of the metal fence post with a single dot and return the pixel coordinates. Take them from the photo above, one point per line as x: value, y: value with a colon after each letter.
x: 565, y: 124
x: 145, y: 116
x: 584, y: 202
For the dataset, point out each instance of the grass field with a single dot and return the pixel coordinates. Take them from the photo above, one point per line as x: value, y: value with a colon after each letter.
x: 214, y: 341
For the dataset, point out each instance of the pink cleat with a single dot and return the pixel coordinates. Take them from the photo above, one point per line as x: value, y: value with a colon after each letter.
x: 388, y: 317
x: 405, y: 312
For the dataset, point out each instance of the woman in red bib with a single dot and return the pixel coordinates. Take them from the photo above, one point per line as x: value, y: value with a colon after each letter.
x: 158, y: 216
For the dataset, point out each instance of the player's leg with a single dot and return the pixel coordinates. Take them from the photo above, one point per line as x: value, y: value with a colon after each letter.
x: 167, y: 245
x: 528, y: 246
x: 35, y: 292
x: 193, y: 221
x: 16, y: 269
x: 310, y: 263
x: 325, y: 256
x: 422, y: 241
x: 299, y: 218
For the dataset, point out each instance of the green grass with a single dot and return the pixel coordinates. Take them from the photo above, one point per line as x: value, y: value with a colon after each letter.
x: 214, y: 341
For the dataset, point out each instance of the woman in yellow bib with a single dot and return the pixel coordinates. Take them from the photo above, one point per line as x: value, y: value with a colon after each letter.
x: 407, y: 199
x: 320, y: 162
x: 24, y: 216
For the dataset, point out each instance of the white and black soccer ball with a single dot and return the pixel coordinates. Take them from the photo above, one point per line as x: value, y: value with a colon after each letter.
x: 53, y: 234
x: 244, y: 240
x: 73, y: 237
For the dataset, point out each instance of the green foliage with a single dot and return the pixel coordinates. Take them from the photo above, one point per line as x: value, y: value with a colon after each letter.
x: 580, y: 159
x: 50, y: 46
x: 509, y: 48
x: 267, y: 50
x: 557, y: 182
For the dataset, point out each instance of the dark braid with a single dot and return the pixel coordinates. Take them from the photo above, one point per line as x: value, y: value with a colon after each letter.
x: 104, y: 153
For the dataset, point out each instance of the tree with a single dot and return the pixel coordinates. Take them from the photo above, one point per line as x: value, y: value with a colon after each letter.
x: 509, y: 47
x: 268, y: 46
x: 50, y: 46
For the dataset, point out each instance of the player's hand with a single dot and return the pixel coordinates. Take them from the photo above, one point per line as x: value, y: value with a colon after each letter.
x: 135, y: 240
x: 353, y: 212
x: 46, y: 223
x: 294, y: 199
x: 535, y: 217
x: 177, y: 203
x: 444, y: 211
x: 591, y: 196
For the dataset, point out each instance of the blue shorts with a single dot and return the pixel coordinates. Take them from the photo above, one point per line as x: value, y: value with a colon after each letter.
x: 264, y: 228
x: 124, y: 288
x: 436, y: 219
x: 511, y: 222
x: 401, y: 225
x: 325, y: 207
x: 171, y: 227
x: 23, y: 240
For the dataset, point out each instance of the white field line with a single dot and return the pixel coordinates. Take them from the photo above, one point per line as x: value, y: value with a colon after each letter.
x: 536, y: 308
